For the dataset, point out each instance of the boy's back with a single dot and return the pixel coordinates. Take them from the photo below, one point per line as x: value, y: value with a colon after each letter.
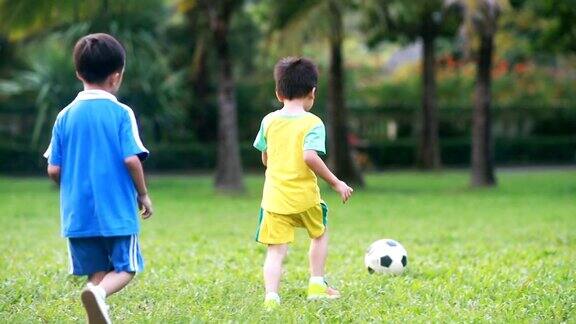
x: 92, y: 136
x: 95, y: 157
x: 290, y: 187
x: 290, y: 140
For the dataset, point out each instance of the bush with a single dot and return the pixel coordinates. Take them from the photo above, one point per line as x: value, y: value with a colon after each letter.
x: 536, y: 150
x: 181, y: 157
x: 456, y: 152
x: 20, y: 159
x: 402, y: 153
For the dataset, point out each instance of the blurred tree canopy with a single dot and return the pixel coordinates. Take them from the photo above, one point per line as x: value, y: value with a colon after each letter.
x: 368, y: 68
x: 44, y: 34
x: 551, y: 25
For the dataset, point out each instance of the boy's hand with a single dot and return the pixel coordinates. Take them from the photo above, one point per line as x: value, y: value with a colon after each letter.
x: 343, y: 189
x: 315, y: 163
x: 145, y: 206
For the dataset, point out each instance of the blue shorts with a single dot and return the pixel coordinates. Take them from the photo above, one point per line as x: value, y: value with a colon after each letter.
x: 89, y: 255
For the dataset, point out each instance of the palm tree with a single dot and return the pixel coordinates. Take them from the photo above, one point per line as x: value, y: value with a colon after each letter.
x: 309, y: 15
x: 408, y: 21
x: 55, y: 27
x: 477, y: 33
x: 484, y: 16
x: 341, y: 160
x: 26, y: 20
x: 229, y: 174
x: 429, y: 149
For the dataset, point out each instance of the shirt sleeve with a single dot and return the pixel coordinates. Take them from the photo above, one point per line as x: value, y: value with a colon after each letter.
x: 54, y: 152
x: 260, y: 141
x: 315, y: 139
x: 130, y: 138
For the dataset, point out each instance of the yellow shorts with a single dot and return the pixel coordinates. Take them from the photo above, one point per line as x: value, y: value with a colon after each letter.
x: 279, y: 229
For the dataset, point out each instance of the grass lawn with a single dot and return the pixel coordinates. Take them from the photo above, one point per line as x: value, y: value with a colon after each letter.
x: 500, y: 255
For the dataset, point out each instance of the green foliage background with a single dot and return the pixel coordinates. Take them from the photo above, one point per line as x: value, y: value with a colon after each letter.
x: 164, y: 40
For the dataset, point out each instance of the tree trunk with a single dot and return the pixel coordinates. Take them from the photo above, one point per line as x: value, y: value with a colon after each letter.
x: 199, y: 69
x: 228, y: 164
x: 482, y: 155
x: 340, y: 160
x: 105, y: 8
x: 428, y: 156
x: 200, y: 113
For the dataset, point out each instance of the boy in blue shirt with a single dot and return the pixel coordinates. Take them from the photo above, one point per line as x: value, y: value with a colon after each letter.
x: 95, y: 157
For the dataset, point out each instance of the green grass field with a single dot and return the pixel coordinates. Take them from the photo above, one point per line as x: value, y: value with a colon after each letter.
x: 503, y: 255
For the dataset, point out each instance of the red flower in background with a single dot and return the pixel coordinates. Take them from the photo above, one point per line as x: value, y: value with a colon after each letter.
x: 501, y: 68
x: 521, y: 68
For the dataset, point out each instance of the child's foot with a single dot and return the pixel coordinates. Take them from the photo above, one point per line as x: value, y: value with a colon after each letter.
x: 322, y: 291
x: 95, y: 305
x: 271, y: 301
x: 271, y: 304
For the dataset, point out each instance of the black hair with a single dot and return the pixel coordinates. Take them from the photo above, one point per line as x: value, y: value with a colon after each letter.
x: 97, y: 56
x: 295, y: 77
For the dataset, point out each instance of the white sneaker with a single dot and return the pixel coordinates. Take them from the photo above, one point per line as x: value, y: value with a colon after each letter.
x: 95, y: 305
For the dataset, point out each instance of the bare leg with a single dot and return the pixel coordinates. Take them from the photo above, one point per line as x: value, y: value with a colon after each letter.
x: 318, y: 254
x: 115, y: 281
x: 97, y: 277
x: 273, y: 266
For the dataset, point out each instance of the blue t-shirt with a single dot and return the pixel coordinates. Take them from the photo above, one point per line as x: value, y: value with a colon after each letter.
x: 90, y: 140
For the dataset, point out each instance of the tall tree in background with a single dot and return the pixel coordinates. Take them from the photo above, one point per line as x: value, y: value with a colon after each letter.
x: 484, y: 15
x: 429, y: 147
x: 288, y: 14
x: 229, y: 173
x: 409, y: 21
x: 196, y: 37
x: 340, y: 159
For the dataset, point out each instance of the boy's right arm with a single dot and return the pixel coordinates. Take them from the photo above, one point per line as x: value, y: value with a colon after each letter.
x: 53, y: 154
x: 260, y: 144
x: 137, y: 173
x: 316, y: 164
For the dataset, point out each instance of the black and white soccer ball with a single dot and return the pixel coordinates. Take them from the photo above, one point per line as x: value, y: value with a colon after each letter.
x: 386, y: 256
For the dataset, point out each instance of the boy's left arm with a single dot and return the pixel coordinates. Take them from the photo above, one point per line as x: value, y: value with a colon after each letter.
x: 54, y: 173
x: 134, y: 152
x: 134, y: 166
x: 265, y: 158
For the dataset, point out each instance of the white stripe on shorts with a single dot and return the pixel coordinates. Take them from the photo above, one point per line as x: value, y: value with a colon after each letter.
x: 137, y: 267
x: 131, y: 253
x: 70, y: 261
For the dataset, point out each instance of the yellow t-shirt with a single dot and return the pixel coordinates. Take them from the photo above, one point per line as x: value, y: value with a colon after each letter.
x: 290, y: 186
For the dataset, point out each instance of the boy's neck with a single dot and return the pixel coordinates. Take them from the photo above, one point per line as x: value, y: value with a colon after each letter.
x: 92, y: 86
x: 293, y: 106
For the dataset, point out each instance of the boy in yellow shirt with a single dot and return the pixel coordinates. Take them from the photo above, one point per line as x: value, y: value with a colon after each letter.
x: 290, y: 140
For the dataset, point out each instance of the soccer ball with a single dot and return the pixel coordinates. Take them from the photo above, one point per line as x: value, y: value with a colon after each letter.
x: 386, y: 256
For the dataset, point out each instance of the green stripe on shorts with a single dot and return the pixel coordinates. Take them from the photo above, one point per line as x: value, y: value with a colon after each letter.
x: 324, y: 213
x: 261, y: 215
